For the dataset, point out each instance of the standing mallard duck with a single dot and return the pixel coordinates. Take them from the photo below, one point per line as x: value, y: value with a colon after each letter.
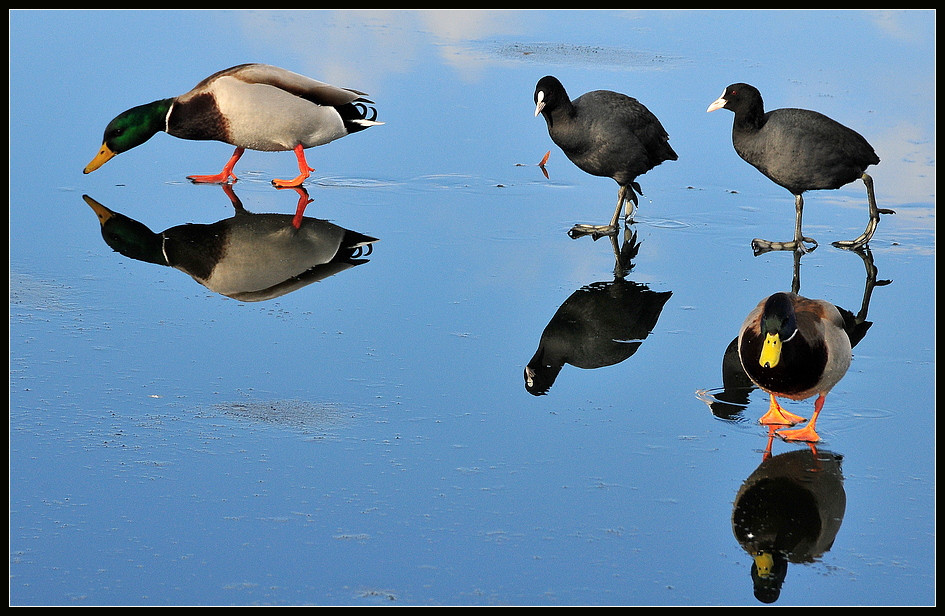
x: 794, y: 347
x: 255, y: 106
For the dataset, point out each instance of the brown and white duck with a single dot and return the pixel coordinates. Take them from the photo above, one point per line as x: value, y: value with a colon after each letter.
x: 250, y: 106
x: 794, y: 347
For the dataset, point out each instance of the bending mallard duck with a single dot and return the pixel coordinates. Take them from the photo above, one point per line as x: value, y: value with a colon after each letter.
x: 254, y: 106
x: 794, y: 347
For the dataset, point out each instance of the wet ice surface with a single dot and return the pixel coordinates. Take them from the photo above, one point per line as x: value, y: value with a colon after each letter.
x: 368, y: 439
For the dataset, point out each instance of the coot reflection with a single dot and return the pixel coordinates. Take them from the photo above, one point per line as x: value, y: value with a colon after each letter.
x: 600, y: 324
x: 249, y: 257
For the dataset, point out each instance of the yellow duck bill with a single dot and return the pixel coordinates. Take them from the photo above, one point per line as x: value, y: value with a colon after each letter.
x: 104, y: 155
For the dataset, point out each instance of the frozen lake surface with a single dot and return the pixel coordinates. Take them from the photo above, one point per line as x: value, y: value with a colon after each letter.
x: 367, y: 439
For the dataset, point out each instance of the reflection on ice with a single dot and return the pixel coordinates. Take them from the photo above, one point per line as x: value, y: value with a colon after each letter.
x: 601, y: 324
x: 249, y: 257
x: 788, y: 511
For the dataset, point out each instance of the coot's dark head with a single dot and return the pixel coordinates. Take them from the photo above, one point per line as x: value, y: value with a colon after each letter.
x: 739, y: 97
x: 549, y: 94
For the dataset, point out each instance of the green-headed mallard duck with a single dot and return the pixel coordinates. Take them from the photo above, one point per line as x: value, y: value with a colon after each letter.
x: 607, y: 134
x: 255, y: 106
x: 794, y: 347
x: 799, y: 150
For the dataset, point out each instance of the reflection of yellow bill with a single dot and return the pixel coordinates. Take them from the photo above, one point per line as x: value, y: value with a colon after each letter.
x: 100, y: 210
x: 764, y: 561
x: 103, y: 156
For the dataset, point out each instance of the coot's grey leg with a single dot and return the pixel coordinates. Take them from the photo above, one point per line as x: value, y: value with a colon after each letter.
x: 761, y: 246
x: 625, y: 196
x: 867, y: 235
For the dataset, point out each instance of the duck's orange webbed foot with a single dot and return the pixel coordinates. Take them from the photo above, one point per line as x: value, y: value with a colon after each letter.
x: 808, y: 433
x: 304, y: 171
x: 222, y: 177
x: 777, y: 416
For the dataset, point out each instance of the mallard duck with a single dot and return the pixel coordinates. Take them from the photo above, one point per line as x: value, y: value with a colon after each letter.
x: 254, y: 106
x: 249, y: 257
x: 607, y: 134
x: 799, y: 150
x: 794, y: 347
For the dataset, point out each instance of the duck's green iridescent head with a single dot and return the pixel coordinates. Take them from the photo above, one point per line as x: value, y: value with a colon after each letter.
x: 130, y: 129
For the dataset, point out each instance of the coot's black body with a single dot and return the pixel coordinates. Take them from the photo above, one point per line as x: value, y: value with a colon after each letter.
x: 607, y: 134
x: 800, y: 150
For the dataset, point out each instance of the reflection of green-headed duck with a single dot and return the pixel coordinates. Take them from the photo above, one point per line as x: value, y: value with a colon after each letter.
x: 249, y: 257
x: 794, y: 347
x: 254, y: 106
x: 788, y: 511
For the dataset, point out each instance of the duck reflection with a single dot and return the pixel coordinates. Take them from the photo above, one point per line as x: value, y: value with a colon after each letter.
x: 730, y: 402
x: 789, y: 510
x: 600, y: 324
x: 249, y: 257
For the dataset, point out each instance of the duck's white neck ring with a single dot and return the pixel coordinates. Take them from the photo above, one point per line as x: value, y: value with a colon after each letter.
x: 167, y: 118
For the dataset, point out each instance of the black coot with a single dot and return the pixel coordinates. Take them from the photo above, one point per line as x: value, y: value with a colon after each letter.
x: 607, y: 134
x: 800, y: 150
